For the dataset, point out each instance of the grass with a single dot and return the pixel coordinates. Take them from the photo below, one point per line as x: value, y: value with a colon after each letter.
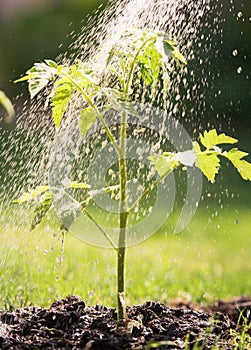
x: 210, y: 259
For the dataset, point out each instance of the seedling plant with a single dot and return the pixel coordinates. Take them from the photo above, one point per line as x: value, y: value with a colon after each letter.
x: 137, y: 58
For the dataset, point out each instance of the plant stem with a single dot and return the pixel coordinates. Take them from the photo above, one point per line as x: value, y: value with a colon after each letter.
x: 123, y: 217
x: 123, y: 195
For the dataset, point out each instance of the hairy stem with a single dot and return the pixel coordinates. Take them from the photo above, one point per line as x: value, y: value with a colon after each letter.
x: 123, y: 195
x: 123, y: 217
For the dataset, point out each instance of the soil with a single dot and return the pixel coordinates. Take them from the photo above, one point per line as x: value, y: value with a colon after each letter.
x: 71, y: 324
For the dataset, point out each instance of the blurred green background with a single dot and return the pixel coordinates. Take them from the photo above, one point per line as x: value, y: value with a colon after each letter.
x: 33, y: 30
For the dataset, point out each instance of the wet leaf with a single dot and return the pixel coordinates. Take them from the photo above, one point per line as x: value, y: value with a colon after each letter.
x: 60, y: 99
x: 210, y: 139
x: 31, y: 194
x: 41, y: 210
x: 164, y: 165
x: 8, y: 106
x: 87, y: 119
x: 209, y: 164
x: 76, y: 184
x: 171, y: 49
x: 244, y: 167
x: 39, y: 76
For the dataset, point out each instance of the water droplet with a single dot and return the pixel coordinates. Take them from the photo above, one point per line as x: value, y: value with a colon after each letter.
x: 239, y: 70
x: 239, y: 14
x: 235, y: 52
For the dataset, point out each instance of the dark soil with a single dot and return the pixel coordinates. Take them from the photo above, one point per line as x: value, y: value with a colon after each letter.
x: 70, y: 324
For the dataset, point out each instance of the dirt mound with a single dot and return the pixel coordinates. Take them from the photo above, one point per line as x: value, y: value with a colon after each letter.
x: 70, y: 324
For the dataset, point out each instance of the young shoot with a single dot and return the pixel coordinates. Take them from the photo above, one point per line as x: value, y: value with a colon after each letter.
x: 138, y: 58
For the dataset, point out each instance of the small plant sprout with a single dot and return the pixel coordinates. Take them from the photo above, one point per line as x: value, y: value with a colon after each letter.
x: 138, y: 58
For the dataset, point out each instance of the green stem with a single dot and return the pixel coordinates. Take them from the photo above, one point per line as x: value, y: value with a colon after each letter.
x: 123, y: 195
x: 123, y: 217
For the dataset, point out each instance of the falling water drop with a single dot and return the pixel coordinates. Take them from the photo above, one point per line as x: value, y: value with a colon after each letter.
x: 239, y: 70
x: 235, y: 52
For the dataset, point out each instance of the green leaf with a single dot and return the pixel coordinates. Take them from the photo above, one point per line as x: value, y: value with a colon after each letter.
x: 164, y: 165
x: 60, y: 99
x: 244, y: 167
x: 146, y: 75
x: 171, y: 49
x: 31, y: 194
x: 8, y: 106
x: 41, y: 210
x: 39, y: 76
x: 150, y: 63
x: 209, y: 164
x: 211, y: 139
x: 76, y: 184
x: 87, y: 118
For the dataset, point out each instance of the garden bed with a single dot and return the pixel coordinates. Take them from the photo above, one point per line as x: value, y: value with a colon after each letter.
x: 70, y: 324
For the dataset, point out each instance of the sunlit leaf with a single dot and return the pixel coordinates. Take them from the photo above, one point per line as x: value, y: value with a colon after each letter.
x: 209, y: 164
x: 41, y: 210
x: 210, y: 139
x: 39, y: 76
x: 76, y: 184
x: 8, y: 106
x: 171, y: 49
x: 60, y: 99
x: 164, y: 165
x: 244, y: 167
x: 87, y: 118
x: 31, y: 194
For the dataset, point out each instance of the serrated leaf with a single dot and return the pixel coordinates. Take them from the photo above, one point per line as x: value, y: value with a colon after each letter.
x: 150, y: 63
x: 164, y: 165
x: 244, y: 167
x: 210, y: 139
x: 41, y: 210
x: 60, y: 99
x: 87, y: 119
x: 209, y: 164
x: 31, y: 194
x: 39, y: 76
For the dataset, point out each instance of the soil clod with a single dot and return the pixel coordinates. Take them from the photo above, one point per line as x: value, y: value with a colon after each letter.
x: 70, y: 324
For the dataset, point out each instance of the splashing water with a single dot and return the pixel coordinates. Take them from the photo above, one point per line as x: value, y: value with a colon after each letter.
x: 27, y: 153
